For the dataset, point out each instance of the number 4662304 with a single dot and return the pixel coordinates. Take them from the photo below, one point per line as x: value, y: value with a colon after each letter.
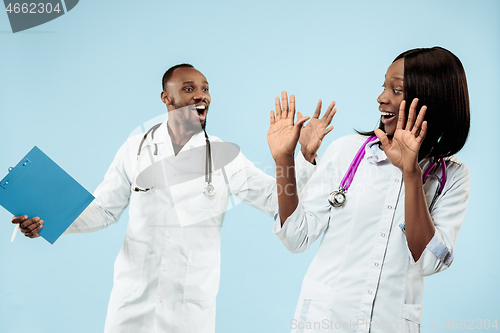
x: 32, y: 8
x: 471, y: 324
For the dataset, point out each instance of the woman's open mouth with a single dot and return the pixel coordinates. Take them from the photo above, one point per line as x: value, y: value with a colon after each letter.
x: 387, y: 117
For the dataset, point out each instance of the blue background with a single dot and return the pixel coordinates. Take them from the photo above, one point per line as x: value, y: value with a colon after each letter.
x: 77, y: 86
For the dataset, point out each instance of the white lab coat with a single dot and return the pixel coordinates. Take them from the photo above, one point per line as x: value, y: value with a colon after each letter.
x: 166, y: 275
x: 363, y: 271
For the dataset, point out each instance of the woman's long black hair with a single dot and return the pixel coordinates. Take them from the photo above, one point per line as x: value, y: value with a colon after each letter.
x: 437, y: 78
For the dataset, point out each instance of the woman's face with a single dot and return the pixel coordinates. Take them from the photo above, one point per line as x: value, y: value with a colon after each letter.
x: 392, y: 96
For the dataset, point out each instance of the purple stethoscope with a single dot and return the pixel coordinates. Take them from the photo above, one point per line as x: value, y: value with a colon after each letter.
x: 338, y: 198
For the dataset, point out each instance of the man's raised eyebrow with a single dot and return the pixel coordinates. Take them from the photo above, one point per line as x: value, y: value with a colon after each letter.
x: 397, y: 78
x: 189, y: 82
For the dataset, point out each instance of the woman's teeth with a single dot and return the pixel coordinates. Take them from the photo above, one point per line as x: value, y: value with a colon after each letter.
x: 387, y: 115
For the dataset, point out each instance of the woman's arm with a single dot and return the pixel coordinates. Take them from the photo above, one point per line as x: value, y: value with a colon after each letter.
x: 418, y: 223
x: 282, y: 138
x: 448, y: 214
x: 402, y: 151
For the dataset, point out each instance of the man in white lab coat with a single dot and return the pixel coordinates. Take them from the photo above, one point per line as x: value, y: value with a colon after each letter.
x: 167, y: 273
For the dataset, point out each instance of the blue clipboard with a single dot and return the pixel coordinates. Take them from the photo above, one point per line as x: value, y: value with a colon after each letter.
x: 37, y: 186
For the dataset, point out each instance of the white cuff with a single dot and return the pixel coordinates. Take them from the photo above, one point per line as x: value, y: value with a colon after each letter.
x: 435, y: 257
x: 281, y: 230
x: 440, y: 250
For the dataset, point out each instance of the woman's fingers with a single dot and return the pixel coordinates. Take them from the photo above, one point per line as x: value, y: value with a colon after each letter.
x: 317, y: 112
x: 277, y: 107
x: 384, y: 140
x: 401, y: 116
x: 291, y: 109
x: 330, y: 112
x: 421, y: 136
x: 411, y: 115
x: 413, y: 125
x: 301, y: 121
x: 330, y: 107
x: 300, y: 115
x: 418, y: 123
x: 284, y: 104
x: 327, y: 130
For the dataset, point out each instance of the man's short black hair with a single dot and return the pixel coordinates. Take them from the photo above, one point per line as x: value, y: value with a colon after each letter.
x: 168, y: 74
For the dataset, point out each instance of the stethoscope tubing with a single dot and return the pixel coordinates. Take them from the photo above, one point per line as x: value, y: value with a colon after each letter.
x: 353, y: 167
x: 209, y: 189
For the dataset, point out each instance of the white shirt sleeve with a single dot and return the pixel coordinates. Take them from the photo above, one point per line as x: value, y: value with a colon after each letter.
x: 448, y: 215
x: 257, y: 189
x: 304, y: 170
x: 312, y: 215
x: 111, y: 196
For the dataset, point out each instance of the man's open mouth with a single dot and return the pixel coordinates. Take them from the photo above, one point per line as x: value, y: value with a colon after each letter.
x: 201, y: 109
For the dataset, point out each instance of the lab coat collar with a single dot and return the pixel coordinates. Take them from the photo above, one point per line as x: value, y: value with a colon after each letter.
x: 373, y: 153
x: 164, y: 142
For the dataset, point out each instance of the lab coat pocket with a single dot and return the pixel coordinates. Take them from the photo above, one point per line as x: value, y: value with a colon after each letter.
x: 193, y: 205
x: 314, y: 311
x: 412, y: 314
x: 129, y: 267
x: 202, y: 276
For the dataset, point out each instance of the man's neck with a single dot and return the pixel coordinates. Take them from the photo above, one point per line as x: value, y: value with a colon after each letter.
x: 179, y: 135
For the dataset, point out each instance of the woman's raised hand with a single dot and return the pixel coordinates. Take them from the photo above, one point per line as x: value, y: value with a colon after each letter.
x: 313, y: 133
x: 403, y: 149
x: 283, y: 133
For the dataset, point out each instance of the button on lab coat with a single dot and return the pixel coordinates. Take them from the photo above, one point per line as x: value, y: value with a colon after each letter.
x: 363, y: 277
x: 166, y: 275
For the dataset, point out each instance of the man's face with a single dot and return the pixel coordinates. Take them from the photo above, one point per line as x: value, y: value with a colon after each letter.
x: 188, y: 87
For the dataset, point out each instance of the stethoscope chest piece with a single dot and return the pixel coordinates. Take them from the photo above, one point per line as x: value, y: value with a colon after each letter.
x: 209, y: 190
x: 337, y: 198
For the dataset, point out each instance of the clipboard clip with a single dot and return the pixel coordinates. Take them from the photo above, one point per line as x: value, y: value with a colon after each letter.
x: 15, y: 172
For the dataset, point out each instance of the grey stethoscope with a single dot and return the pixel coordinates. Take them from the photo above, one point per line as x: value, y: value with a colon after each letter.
x: 209, y: 189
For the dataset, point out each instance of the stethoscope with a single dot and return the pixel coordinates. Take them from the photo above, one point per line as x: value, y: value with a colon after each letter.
x: 209, y: 189
x: 338, y: 198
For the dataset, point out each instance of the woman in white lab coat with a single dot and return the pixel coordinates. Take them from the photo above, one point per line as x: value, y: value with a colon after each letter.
x: 389, y: 203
